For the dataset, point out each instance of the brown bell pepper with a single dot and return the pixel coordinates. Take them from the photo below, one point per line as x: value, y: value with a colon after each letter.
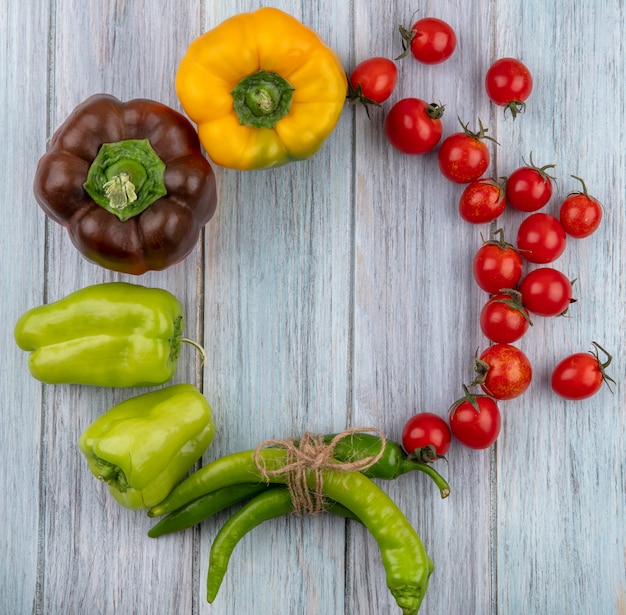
x: 129, y: 182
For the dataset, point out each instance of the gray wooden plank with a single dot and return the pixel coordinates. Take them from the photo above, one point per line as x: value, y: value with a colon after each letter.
x: 277, y: 296
x: 131, y: 52
x: 560, y: 498
x: 23, y: 80
x: 415, y: 327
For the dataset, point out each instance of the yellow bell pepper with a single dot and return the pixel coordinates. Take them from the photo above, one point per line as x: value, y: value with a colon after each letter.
x: 263, y: 89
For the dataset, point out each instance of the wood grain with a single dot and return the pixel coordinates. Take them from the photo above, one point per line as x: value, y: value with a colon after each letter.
x: 329, y: 293
x: 22, y: 248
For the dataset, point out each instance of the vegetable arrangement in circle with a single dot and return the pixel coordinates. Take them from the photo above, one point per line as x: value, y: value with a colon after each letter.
x: 131, y: 185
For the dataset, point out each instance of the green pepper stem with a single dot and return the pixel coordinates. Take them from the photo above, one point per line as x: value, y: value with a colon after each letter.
x: 112, y: 474
x: 126, y: 177
x: 120, y: 191
x: 198, y: 347
x: 262, y: 99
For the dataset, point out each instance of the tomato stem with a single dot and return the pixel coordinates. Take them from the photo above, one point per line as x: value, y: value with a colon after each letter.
x: 497, y: 239
x: 602, y: 366
x: 584, y: 190
x: 471, y: 398
x: 407, y: 34
x: 356, y: 95
x: 435, y: 111
x: 426, y: 454
x: 515, y: 302
x: 482, y: 369
x: 515, y: 107
x: 480, y: 134
x: 541, y: 170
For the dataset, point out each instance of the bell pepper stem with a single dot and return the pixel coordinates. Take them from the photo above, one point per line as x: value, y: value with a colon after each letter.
x: 120, y: 191
x: 112, y: 474
x: 198, y: 347
x: 262, y: 99
x: 126, y: 177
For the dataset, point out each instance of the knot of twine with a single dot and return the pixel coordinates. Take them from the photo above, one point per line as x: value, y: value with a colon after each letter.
x: 311, y: 455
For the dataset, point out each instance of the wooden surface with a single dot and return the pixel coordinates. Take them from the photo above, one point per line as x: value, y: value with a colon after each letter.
x: 330, y: 293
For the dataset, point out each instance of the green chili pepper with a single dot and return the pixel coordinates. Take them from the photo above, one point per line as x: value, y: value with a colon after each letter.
x: 204, y: 507
x: 114, y: 334
x: 393, y: 463
x: 233, y: 469
x: 406, y: 563
x: 271, y: 504
x: 145, y: 445
x: 219, y: 473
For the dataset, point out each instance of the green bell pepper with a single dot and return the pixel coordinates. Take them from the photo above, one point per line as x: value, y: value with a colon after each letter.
x: 144, y: 446
x: 114, y: 334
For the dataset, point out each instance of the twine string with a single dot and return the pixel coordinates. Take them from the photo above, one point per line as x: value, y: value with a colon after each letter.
x: 311, y: 456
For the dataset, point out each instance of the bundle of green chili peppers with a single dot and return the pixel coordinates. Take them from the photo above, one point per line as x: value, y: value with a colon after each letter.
x: 259, y: 477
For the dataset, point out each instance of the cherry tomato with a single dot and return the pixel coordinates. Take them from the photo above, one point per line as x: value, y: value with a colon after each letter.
x: 482, y: 201
x: 475, y: 420
x: 497, y: 265
x: 580, y: 214
x: 546, y: 292
x: 426, y: 437
x: 373, y: 80
x: 504, y: 371
x: 529, y: 187
x: 413, y: 126
x: 430, y: 40
x: 463, y: 156
x: 541, y: 238
x: 581, y: 374
x: 509, y: 83
x: 504, y: 319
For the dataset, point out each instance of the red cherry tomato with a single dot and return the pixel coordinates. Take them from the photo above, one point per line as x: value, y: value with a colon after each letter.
x: 475, y: 420
x: 497, y: 265
x: 580, y: 214
x: 529, y: 187
x: 581, y: 374
x: 482, y: 201
x: 541, y: 238
x: 509, y: 83
x: 546, y: 292
x: 430, y: 40
x: 426, y: 437
x: 373, y: 80
x: 504, y: 319
x: 463, y: 156
x: 504, y: 371
x: 413, y: 126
